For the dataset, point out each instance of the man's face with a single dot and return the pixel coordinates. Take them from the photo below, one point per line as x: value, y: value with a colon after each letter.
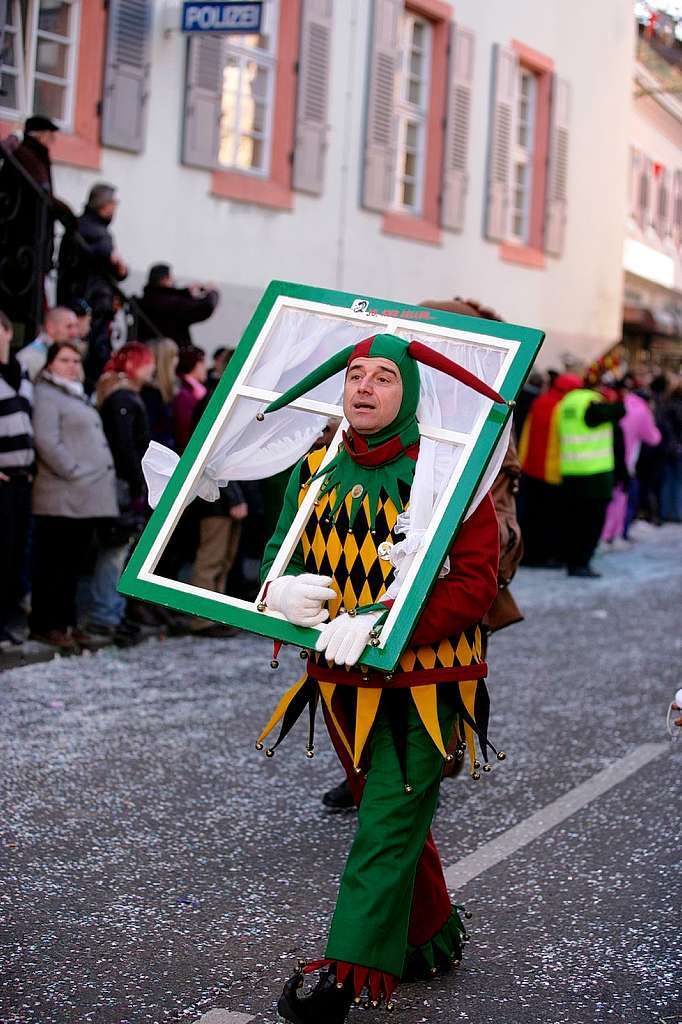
x: 45, y: 138
x: 372, y: 394
x: 107, y: 211
x: 63, y: 326
x: 5, y: 342
x: 84, y: 325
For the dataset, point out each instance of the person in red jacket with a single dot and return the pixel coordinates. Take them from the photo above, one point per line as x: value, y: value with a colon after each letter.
x: 393, y: 918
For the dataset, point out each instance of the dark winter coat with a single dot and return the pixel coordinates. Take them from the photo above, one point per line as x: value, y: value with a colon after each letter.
x: 26, y: 219
x: 172, y: 311
x: 124, y: 417
x: 87, y: 274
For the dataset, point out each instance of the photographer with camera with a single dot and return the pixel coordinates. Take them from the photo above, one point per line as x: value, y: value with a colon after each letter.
x: 173, y: 310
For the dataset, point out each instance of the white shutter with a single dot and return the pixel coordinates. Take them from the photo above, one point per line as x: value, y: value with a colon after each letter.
x: 313, y: 96
x: 457, y: 128
x: 633, y: 186
x: 557, y: 170
x: 677, y: 209
x: 380, y: 129
x: 662, y: 211
x: 201, y: 130
x: 645, y: 190
x: 501, y: 140
x: 3, y: 22
x: 126, y: 74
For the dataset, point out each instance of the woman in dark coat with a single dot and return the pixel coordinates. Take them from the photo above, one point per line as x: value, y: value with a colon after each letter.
x: 124, y: 417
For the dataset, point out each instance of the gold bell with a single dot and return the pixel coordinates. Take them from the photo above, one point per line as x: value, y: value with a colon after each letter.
x: 389, y: 676
x: 269, y: 752
x: 477, y: 765
x: 449, y: 758
x: 310, y: 753
x: 468, y: 915
x: 259, y: 746
x: 501, y: 756
x: 487, y: 767
x: 352, y: 612
x: 260, y: 606
x: 303, y: 654
x: 408, y: 788
x: 374, y: 642
x: 274, y: 663
x: 433, y: 971
x: 358, y: 770
x: 390, y: 1005
x: 475, y: 776
x: 260, y: 417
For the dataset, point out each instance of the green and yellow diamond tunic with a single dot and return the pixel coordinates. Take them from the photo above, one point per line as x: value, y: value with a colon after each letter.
x: 391, y: 730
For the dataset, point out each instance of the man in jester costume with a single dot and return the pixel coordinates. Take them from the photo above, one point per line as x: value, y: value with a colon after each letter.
x: 393, y: 918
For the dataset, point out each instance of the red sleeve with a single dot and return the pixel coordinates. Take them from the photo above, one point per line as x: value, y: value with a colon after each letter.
x: 462, y: 598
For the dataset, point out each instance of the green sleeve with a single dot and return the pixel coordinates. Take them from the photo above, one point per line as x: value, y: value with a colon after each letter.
x: 286, y: 518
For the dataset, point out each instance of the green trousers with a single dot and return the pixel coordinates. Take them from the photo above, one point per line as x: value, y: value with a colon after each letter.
x: 372, y: 917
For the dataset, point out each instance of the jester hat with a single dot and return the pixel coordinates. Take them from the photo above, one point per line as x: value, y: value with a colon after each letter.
x: 364, y: 459
x: 406, y: 355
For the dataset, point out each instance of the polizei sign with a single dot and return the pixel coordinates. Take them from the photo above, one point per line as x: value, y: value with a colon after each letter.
x: 221, y: 17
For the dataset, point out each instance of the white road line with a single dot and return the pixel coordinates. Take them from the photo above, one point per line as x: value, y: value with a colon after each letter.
x: 224, y: 1017
x: 490, y: 854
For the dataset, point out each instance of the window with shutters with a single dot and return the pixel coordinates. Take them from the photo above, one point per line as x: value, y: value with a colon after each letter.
x: 247, y: 97
x: 522, y: 161
x: 240, y: 109
x: 411, y: 111
x: 531, y: 173
x: 51, y: 64
x: 39, y: 59
x: 407, y: 121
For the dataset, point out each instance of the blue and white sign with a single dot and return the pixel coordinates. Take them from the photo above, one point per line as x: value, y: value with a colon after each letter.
x: 222, y: 17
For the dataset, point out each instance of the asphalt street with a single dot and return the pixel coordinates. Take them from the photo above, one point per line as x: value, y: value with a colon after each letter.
x: 156, y: 868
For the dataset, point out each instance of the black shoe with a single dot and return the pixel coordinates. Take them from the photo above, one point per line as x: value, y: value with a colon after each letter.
x: 128, y: 634
x: 9, y: 638
x: 585, y: 572
x: 327, y: 1003
x: 339, y: 798
x: 216, y: 629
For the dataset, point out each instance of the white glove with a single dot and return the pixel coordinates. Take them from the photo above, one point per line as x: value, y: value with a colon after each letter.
x: 300, y: 598
x: 344, y: 638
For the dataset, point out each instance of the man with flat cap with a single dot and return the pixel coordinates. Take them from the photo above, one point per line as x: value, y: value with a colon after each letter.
x: 89, y: 269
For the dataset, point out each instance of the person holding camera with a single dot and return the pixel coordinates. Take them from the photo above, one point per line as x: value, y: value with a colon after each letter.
x: 172, y: 310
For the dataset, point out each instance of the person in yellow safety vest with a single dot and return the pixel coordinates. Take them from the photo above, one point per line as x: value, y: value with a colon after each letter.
x: 586, y: 463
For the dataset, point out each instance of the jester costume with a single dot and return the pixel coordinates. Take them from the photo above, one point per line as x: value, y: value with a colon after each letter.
x: 391, y: 731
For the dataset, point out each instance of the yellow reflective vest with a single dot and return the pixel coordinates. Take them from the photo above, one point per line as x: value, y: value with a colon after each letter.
x: 584, y: 451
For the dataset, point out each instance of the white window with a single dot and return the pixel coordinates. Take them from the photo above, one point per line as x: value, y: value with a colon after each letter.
x: 522, y: 156
x: 39, y: 59
x: 247, y: 97
x: 412, y: 109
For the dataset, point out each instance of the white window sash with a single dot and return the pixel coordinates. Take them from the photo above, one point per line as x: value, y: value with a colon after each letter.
x: 264, y: 58
x: 71, y: 42
x: 406, y: 113
x: 523, y: 155
x: 18, y: 72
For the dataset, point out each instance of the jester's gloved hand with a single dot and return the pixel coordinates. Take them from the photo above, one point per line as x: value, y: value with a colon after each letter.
x: 344, y: 638
x: 300, y: 598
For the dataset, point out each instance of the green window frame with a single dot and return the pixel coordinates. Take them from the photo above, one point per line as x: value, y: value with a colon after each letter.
x: 519, y: 347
